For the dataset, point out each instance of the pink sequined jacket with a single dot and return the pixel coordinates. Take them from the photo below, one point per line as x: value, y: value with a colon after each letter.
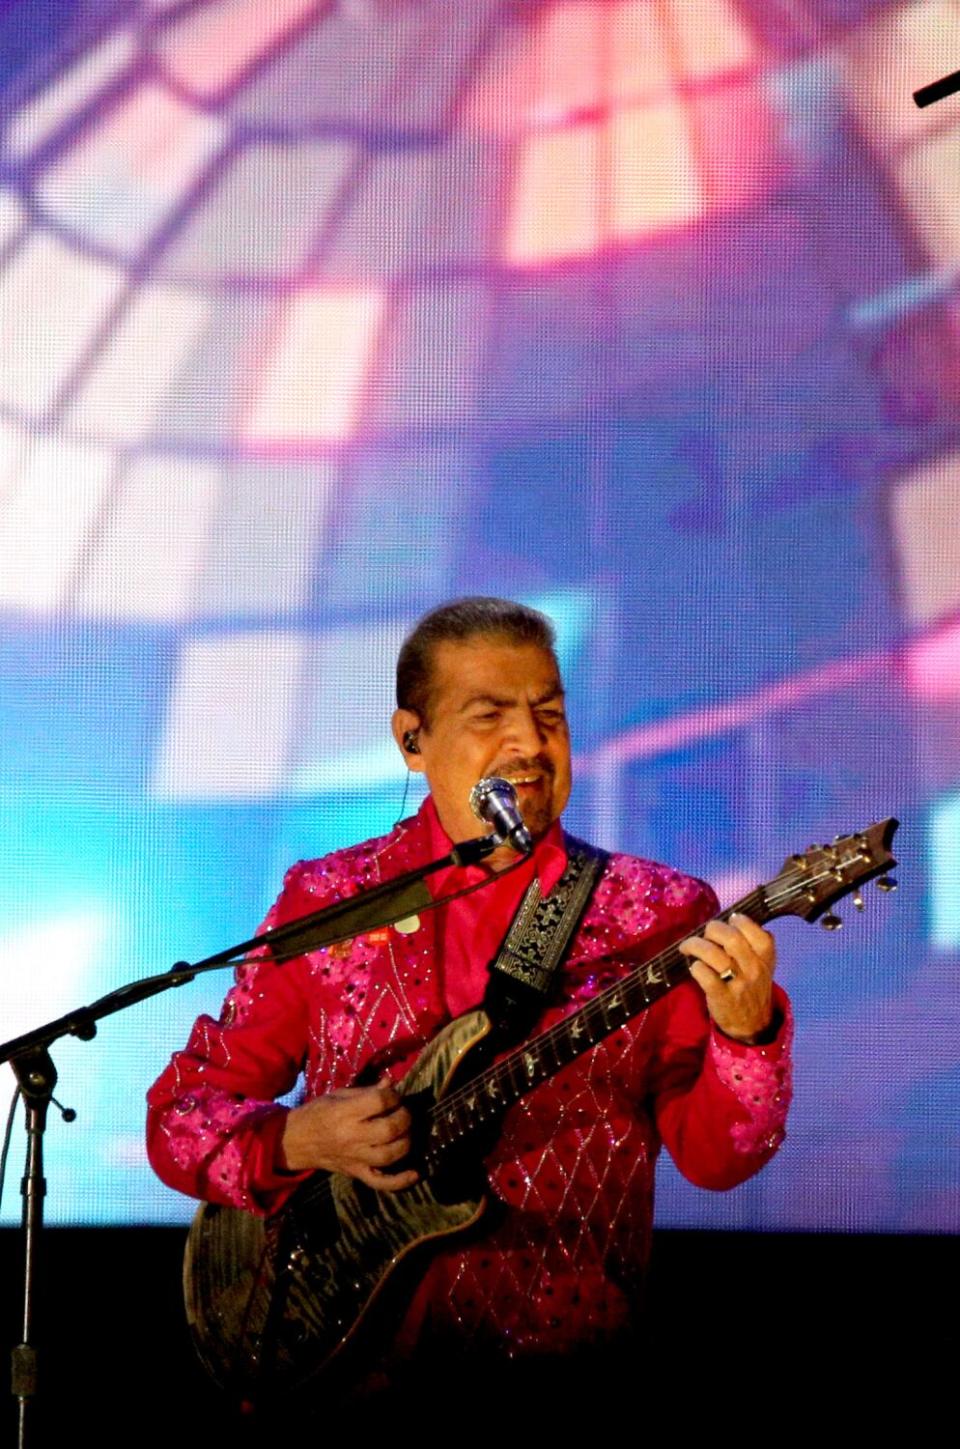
x: 575, y: 1161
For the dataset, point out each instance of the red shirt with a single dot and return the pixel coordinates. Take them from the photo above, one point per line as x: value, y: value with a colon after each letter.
x: 573, y: 1167
x: 470, y: 930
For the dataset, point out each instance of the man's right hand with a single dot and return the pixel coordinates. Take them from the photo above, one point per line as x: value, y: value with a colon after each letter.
x: 356, y: 1130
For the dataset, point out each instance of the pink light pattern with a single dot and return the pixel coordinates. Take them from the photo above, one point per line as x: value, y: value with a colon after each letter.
x: 212, y: 47
x: 431, y: 357
x: 585, y: 56
x: 315, y: 377
x: 708, y: 47
x: 933, y: 665
x: 664, y: 165
x: 262, y: 212
x: 733, y: 140
x: 653, y: 171
x: 638, y: 59
x: 567, y: 62
x: 634, y: 169
x: 122, y: 179
x: 555, y: 210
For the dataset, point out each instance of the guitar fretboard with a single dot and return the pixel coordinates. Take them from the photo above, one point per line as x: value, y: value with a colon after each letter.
x: 486, y: 1096
x: 805, y: 887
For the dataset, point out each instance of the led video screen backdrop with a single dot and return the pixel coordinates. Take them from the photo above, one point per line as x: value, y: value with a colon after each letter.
x: 645, y: 312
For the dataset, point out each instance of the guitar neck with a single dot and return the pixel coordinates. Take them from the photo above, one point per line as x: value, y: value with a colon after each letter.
x: 486, y: 1096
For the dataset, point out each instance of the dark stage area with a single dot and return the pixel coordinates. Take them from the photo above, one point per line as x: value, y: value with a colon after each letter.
x: 841, y: 1328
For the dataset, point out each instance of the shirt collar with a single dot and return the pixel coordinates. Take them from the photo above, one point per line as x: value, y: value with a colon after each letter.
x: 549, y: 853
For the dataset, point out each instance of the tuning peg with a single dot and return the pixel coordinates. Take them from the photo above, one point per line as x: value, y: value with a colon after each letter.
x: 858, y: 901
x: 830, y: 922
x: 887, y: 883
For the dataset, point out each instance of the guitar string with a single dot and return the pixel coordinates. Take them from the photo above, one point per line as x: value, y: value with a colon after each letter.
x: 322, y: 1186
x: 662, y: 963
x: 598, y: 1006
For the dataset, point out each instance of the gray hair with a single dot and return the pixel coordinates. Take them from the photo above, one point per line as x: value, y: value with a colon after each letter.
x: 456, y: 622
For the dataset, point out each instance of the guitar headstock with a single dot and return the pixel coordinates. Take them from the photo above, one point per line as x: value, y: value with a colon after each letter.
x: 809, y: 884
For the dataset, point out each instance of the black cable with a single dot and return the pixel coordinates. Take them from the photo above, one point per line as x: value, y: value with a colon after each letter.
x: 403, y: 802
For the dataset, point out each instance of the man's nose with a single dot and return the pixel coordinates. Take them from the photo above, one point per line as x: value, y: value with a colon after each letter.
x: 526, y: 732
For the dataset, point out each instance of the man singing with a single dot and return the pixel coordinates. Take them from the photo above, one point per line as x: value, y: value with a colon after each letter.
x: 705, y: 1069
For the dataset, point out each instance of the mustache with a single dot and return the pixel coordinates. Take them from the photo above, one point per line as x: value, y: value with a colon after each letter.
x: 527, y: 766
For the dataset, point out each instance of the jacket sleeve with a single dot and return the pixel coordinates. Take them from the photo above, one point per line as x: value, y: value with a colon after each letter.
x: 213, y: 1127
x: 719, y: 1106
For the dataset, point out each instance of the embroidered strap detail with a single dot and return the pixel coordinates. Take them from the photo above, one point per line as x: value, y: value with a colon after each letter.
x: 544, y: 926
x: 759, y: 1078
x: 541, y: 931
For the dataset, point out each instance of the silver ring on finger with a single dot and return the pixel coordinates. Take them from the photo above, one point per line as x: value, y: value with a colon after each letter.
x: 728, y: 975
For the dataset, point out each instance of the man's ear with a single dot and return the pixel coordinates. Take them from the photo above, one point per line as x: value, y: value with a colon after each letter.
x: 406, y: 729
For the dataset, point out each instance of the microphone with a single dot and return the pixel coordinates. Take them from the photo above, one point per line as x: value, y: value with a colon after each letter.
x: 494, y: 800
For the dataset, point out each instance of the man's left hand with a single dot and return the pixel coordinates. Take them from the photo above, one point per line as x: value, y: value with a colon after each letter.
x: 740, y: 1003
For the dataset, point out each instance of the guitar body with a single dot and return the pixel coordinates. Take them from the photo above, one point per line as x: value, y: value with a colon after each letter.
x: 271, y: 1303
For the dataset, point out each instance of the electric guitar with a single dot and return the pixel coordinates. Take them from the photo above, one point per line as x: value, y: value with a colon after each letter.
x: 275, y: 1304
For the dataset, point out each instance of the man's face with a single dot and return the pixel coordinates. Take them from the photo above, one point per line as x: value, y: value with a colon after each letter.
x: 497, y: 709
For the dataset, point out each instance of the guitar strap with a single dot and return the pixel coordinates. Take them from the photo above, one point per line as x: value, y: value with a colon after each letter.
x: 522, y: 972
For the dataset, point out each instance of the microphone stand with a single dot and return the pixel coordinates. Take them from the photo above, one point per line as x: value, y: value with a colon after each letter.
x: 29, y: 1054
